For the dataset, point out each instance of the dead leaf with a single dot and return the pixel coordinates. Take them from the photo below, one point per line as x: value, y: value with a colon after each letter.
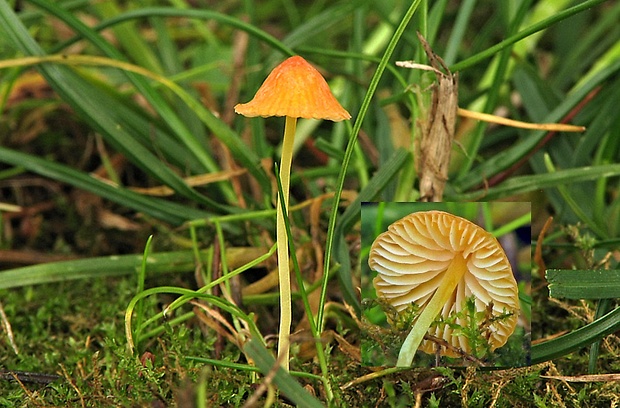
x: 437, y: 133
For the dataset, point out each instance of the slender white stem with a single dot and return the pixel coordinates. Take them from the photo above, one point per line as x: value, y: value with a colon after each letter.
x: 284, y: 273
x: 452, y: 276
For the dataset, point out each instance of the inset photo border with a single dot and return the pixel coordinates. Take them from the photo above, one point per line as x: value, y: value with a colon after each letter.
x: 467, y: 334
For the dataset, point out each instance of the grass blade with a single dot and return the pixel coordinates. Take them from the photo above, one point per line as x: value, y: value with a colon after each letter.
x: 524, y: 184
x: 372, y: 87
x: 110, y: 266
x: 99, y: 108
x: 584, y: 284
x: 285, y: 382
x: 577, y: 339
x: 377, y: 183
x: 202, y: 15
x: 164, y: 210
x: 534, y: 28
x: 194, y: 146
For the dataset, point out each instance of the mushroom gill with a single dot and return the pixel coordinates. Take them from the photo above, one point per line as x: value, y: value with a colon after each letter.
x: 438, y: 259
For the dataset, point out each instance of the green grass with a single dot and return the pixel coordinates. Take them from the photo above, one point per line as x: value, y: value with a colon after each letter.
x: 100, y: 98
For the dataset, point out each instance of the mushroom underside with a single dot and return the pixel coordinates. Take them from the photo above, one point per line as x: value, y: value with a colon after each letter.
x: 402, y: 291
x: 414, y: 255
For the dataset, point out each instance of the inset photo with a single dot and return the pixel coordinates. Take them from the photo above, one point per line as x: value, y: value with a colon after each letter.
x: 446, y: 284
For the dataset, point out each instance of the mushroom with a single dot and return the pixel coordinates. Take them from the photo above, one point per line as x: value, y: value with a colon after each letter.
x: 294, y: 89
x: 436, y: 261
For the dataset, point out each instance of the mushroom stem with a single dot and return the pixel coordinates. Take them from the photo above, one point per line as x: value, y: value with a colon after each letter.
x: 282, y: 240
x: 453, y: 275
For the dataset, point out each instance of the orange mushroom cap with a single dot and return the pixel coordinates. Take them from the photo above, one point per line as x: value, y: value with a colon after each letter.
x: 296, y: 89
x: 412, y: 256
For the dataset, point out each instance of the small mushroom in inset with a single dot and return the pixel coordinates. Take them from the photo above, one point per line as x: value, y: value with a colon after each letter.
x: 436, y: 261
x: 294, y: 89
